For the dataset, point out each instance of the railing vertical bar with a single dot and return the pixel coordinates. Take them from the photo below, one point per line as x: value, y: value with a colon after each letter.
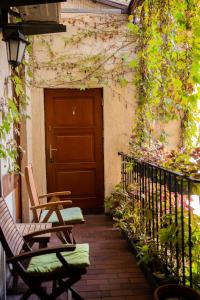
x: 125, y: 174
x: 156, y: 176
x: 137, y: 180
x: 160, y: 189
x: 176, y: 223
x: 140, y: 192
x: 165, y: 203
x: 128, y: 174
x: 122, y: 172
x: 152, y: 196
x: 190, y: 233
x: 145, y: 198
x: 143, y: 193
x: 170, y: 212
x: 149, y: 200
x: 165, y: 193
x: 182, y: 234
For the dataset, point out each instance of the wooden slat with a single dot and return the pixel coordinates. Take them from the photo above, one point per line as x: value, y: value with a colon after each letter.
x: 32, y: 192
x: 19, y: 248
x: 21, y: 227
x: 9, y: 183
x: 26, y: 228
x: 12, y: 235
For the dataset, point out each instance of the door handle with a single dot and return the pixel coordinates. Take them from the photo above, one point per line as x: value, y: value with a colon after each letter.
x: 51, y: 151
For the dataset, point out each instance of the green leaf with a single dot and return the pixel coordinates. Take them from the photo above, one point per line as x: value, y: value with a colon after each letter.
x: 123, y: 82
x: 82, y: 88
x: 133, y: 28
x: 133, y: 63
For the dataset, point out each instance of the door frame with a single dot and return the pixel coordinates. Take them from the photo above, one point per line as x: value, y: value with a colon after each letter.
x: 92, y: 210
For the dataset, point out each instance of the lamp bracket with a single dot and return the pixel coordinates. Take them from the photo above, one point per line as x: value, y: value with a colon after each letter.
x: 3, y: 18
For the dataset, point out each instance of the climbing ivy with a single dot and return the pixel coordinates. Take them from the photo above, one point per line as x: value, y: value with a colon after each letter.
x: 13, y: 110
x: 167, y: 69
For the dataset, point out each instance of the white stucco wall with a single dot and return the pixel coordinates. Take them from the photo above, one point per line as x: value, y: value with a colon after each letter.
x: 119, y: 102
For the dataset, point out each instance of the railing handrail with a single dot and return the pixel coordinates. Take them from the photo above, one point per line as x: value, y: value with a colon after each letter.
x: 161, y: 168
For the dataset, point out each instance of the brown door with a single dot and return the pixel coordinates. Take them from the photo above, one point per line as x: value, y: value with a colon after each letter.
x: 74, y: 145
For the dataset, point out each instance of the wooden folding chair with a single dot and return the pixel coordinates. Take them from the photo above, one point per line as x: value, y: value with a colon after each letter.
x: 63, y: 264
x: 53, y: 210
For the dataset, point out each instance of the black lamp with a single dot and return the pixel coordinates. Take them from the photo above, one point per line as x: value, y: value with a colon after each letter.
x: 16, y: 45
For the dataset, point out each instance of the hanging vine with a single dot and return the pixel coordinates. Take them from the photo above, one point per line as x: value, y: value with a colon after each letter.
x: 167, y: 69
x: 13, y: 110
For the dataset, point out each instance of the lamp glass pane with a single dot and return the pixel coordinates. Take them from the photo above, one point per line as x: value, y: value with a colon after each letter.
x: 21, y: 51
x: 13, y: 50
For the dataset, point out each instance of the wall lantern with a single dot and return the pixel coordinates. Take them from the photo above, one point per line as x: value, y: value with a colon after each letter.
x: 16, y: 45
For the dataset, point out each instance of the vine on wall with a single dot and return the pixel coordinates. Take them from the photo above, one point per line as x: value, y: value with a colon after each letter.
x: 90, y: 65
x: 167, y: 69
x: 13, y: 110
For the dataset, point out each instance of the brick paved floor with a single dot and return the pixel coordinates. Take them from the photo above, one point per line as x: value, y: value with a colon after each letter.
x: 113, y: 274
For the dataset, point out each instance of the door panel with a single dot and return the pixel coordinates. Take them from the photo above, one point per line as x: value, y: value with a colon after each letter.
x: 74, y: 112
x: 74, y: 145
x: 79, y: 182
x: 66, y: 154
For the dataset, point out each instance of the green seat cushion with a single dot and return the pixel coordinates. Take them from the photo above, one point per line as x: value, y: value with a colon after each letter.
x: 49, y: 263
x: 71, y: 214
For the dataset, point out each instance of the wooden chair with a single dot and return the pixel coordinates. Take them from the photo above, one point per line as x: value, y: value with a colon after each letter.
x: 64, y: 264
x: 53, y: 210
x: 10, y: 182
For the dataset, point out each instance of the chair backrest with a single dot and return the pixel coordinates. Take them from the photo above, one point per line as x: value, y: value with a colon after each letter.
x: 10, y: 237
x: 32, y: 192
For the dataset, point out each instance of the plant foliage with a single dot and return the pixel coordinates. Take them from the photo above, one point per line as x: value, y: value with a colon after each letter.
x: 167, y: 68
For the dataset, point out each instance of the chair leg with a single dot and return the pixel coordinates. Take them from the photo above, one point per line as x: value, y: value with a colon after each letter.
x: 26, y: 295
x: 40, y: 292
x: 75, y: 295
x: 69, y: 295
x: 65, y: 286
x: 37, y: 290
x: 54, y: 285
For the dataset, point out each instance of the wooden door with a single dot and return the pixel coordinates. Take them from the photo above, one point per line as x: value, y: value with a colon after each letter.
x: 74, y: 145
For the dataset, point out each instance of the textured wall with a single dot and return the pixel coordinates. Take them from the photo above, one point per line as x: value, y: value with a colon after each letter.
x: 119, y: 102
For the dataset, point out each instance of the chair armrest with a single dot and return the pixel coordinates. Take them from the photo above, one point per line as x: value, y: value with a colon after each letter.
x: 64, y: 193
x: 51, y: 204
x: 48, y: 230
x: 30, y: 254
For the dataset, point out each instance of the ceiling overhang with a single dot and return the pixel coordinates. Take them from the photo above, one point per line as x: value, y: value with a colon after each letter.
x: 32, y: 28
x: 11, y: 3
x: 39, y: 16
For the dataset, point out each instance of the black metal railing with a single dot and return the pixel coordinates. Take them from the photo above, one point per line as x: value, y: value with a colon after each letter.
x: 168, y: 215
